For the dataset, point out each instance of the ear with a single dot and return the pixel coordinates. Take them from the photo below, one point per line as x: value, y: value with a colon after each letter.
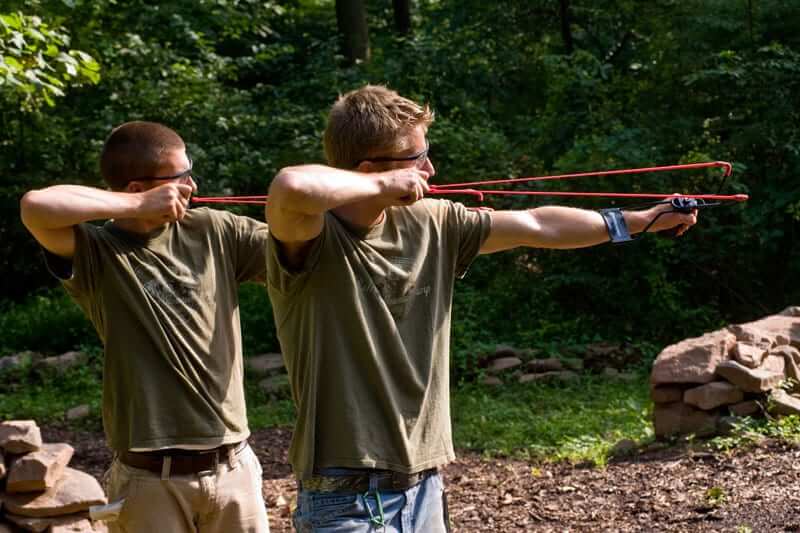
x: 134, y: 186
x: 367, y: 166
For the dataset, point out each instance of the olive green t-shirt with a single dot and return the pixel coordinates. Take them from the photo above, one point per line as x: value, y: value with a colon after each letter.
x: 166, y: 309
x: 365, y: 332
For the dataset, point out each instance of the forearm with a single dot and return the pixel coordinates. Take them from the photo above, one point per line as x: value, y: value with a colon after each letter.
x: 315, y: 189
x: 62, y: 206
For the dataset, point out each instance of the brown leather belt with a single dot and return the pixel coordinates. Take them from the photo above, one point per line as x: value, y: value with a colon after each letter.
x: 183, y: 462
x: 359, y: 481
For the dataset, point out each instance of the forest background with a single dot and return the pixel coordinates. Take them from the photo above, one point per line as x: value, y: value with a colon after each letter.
x: 519, y: 88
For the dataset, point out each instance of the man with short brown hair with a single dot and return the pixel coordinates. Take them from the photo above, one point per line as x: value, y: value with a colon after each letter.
x: 159, y: 282
x: 361, y: 273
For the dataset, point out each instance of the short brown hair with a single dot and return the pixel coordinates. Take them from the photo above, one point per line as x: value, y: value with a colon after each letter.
x: 136, y: 150
x: 370, y: 121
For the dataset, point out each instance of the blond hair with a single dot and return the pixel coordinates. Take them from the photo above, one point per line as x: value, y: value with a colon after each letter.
x: 371, y: 121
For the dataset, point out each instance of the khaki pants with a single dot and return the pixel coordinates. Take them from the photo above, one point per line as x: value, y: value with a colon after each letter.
x: 227, y: 500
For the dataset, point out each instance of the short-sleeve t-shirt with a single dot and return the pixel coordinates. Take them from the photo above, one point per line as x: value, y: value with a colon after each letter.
x: 166, y: 308
x: 364, y: 327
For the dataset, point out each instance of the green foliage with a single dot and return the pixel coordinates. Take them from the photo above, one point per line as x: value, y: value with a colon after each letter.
x: 248, y: 84
x: 36, y: 63
x: 46, y: 322
x: 575, y: 421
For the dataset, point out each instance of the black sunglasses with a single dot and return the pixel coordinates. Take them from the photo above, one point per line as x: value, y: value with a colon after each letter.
x: 419, y: 158
x: 185, y: 173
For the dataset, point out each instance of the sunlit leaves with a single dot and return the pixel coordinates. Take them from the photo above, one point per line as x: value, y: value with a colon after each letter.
x: 36, y: 63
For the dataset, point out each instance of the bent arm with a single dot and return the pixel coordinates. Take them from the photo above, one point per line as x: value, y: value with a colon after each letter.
x: 300, y: 196
x: 566, y: 227
x: 50, y: 213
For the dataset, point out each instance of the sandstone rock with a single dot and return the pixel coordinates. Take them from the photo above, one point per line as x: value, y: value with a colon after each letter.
x: 73, y: 523
x: 752, y: 335
x: 666, y: 394
x: 5, y: 529
x: 76, y: 491
x: 572, y: 363
x: 749, y: 355
x: 64, y: 361
x: 39, y: 470
x: 746, y: 408
x: 692, y: 360
x: 503, y: 363
x: 681, y: 419
x: 712, y: 395
x: 537, y: 366
x: 775, y: 363
x: 563, y: 375
x: 276, y: 384
x: 775, y: 326
x: 2, y: 465
x: 623, y: 448
x: 791, y: 360
x: 18, y: 360
x: 504, y: 350
x: 782, y: 403
x: 20, y: 436
x: 793, y: 310
x: 265, y: 363
x: 77, y: 412
x: 748, y: 379
x: 492, y: 381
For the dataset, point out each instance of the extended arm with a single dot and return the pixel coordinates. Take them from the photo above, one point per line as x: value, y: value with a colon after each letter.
x: 50, y: 213
x: 566, y: 227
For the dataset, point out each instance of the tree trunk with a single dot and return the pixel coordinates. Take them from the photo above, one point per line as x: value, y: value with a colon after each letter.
x: 402, y: 16
x: 352, y: 20
x: 566, y: 31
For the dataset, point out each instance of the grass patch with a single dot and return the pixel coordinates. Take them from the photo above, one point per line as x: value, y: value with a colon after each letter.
x: 575, y: 421
x: 749, y: 432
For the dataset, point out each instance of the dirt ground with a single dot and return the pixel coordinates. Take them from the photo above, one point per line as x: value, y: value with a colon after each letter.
x: 674, y: 490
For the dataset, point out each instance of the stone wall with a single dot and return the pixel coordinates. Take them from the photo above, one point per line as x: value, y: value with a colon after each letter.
x: 38, y: 490
x: 700, y: 385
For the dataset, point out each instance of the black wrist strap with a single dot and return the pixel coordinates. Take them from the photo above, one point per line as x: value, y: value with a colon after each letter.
x: 615, y: 224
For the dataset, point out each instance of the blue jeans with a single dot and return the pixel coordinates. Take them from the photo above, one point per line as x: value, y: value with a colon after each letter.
x: 421, y: 508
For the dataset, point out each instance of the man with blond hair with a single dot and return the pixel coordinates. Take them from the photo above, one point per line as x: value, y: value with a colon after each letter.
x: 160, y: 284
x: 361, y: 274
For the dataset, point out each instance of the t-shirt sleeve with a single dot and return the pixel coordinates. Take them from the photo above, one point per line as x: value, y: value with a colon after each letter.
x: 80, y: 275
x: 250, y: 249
x: 468, y: 230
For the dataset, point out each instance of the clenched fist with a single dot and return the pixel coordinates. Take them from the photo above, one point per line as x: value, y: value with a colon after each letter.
x: 167, y: 203
x: 403, y: 186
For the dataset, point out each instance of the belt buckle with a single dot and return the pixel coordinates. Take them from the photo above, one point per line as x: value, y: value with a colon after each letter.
x: 213, y: 469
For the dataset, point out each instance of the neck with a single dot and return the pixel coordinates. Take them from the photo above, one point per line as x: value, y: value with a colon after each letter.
x: 360, y: 215
x: 138, y: 225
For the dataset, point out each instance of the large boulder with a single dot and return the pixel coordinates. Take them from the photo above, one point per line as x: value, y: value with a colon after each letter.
x: 750, y: 355
x: 782, y: 403
x: 65, y: 361
x: 666, y: 394
x: 76, y: 491
x: 713, y: 395
x: 39, y: 470
x: 681, y: 419
x: 73, y: 523
x: 503, y: 363
x: 782, y: 328
x: 749, y: 379
x: 265, y: 363
x: 692, y: 360
x: 20, y: 436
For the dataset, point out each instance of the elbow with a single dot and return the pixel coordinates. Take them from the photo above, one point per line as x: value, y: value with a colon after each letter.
x: 293, y: 186
x: 29, y: 204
